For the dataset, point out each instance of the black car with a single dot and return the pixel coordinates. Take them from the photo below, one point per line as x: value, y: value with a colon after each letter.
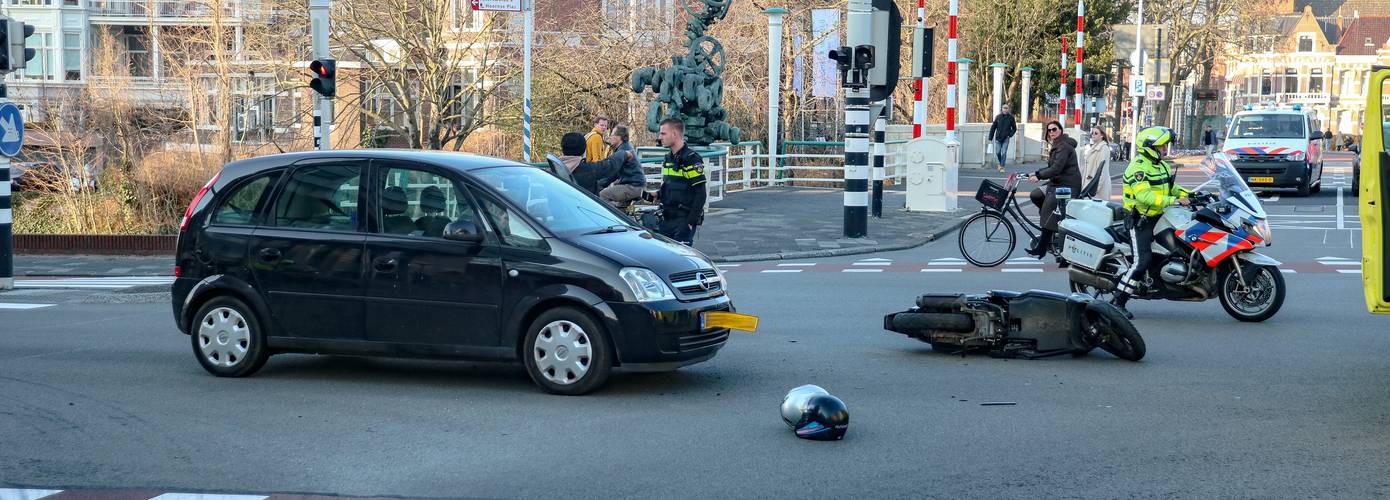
x: 438, y: 255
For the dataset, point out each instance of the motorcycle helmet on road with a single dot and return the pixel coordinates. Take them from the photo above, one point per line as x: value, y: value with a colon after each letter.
x: 1152, y: 138
x: 813, y: 413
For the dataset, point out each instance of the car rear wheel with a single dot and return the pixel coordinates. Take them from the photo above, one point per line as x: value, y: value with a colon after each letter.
x: 567, y: 352
x: 227, y: 339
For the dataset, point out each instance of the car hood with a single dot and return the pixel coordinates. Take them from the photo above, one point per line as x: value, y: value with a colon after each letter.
x: 643, y: 249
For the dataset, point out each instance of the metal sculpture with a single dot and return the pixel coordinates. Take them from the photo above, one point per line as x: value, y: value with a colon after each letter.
x: 691, y: 89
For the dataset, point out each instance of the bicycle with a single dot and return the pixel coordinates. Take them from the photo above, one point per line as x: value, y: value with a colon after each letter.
x: 990, y: 231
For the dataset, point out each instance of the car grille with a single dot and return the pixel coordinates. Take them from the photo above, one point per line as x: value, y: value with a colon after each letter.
x: 1259, y: 158
x: 689, y: 284
x: 696, y: 342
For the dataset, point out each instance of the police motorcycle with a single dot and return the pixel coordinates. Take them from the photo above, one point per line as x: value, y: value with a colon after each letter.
x: 1032, y: 324
x: 1201, y: 251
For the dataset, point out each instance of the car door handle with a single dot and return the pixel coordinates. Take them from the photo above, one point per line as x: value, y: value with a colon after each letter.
x: 384, y: 264
x: 269, y: 255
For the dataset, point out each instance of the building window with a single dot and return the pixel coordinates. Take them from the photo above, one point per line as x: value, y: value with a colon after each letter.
x: 72, y: 3
x: 1291, y: 81
x: 1305, y: 43
x: 1315, y: 82
x: 33, y: 2
x: 137, y: 47
x: 1350, y: 85
x: 1266, y: 83
x: 72, y: 56
x: 41, y: 67
x: 1370, y: 43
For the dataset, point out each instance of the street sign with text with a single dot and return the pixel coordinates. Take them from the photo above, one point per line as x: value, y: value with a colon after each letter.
x: 496, y: 5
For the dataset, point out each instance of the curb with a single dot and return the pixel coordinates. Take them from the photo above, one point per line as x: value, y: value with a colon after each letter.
x: 839, y: 252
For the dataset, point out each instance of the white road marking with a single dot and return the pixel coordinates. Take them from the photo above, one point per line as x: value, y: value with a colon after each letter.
x: 108, y: 283
x: 797, y: 264
x: 1349, y: 271
x: 1021, y: 270
x: 862, y: 271
x: 945, y: 263
x: 941, y: 270
x: 207, y: 496
x: 1288, y: 271
x: 781, y: 270
x: 18, y: 494
x: 872, y: 263
x: 1340, y: 217
x: 1327, y: 258
x: 22, y: 307
x: 1341, y: 263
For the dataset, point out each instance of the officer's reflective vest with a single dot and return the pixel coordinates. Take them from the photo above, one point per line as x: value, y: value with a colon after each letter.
x: 1149, y: 186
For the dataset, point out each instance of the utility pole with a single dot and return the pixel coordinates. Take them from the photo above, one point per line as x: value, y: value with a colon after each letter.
x: 1138, y: 58
x: 13, y: 55
x: 528, y: 27
x: 323, y: 106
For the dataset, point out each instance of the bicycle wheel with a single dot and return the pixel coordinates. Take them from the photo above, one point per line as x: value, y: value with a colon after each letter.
x: 986, y: 239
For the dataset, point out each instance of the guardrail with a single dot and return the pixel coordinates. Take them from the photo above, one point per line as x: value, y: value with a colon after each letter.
x: 738, y: 167
x: 173, y: 9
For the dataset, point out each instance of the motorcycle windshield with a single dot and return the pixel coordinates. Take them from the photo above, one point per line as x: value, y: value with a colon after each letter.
x: 1230, y: 186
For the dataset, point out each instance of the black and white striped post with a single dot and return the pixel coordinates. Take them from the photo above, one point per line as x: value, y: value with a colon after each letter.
x: 880, y: 154
x: 6, y: 215
x: 859, y: 38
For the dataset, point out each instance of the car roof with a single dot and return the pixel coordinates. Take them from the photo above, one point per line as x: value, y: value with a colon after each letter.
x: 1274, y: 111
x: 461, y: 162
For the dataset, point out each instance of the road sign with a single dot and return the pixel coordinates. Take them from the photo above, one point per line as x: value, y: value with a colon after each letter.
x: 496, y: 5
x: 1138, y: 86
x: 11, y: 129
x: 1157, y: 93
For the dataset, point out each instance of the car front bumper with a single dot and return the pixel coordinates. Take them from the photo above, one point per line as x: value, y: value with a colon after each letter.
x: 1280, y: 174
x: 663, y: 336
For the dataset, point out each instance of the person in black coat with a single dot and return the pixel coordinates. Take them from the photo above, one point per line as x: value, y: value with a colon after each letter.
x: 1000, y: 131
x: 1062, y: 170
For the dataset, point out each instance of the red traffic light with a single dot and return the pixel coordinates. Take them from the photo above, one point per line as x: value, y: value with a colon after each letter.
x: 324, y: 77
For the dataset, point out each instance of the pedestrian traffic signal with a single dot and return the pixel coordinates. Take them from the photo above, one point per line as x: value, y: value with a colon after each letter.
x: 15, y: 54
x: 325, y: 72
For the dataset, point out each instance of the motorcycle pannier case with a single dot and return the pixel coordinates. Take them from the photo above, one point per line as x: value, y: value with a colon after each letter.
x: 1085, y: 244
x: 1095, y: 212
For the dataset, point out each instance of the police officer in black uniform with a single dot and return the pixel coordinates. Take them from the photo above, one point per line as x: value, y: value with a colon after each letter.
x: 683, y: 191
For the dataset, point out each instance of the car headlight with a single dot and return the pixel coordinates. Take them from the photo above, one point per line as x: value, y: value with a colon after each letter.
x: 646, y: 285
x: 1299, y: 156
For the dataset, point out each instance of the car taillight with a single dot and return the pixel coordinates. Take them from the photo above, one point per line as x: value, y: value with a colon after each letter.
x: 178, y: 271
x: 183, y: 224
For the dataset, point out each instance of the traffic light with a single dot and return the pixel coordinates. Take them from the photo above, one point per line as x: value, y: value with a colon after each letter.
x: 1205, y: 94
x: 922, y: 60
x: 1095, y: 83
x: 325, y: 72
x: 15, y: 54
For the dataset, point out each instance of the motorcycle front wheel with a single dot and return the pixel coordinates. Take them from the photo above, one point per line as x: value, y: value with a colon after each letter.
x: 1260, y: 297
x: 1113, y: 332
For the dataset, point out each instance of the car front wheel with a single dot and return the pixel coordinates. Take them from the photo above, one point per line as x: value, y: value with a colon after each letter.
x: 567, y: 352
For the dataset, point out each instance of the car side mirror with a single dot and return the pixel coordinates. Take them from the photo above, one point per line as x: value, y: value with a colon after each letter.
x: 464, y: 231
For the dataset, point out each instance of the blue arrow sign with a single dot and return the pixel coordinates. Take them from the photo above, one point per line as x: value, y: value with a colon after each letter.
x: 11, y: 129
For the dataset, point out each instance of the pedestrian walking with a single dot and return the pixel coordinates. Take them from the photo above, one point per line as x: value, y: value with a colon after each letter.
x: 1062, y: 170
x: 628, y: 183
x: 1096, y: 176
x: 595, y: 148
x: 683, y: 191
x: 1001, y: 131
x: 1208, y: 139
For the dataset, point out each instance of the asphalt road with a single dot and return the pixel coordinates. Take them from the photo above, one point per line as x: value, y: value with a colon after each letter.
x: 100, y: 395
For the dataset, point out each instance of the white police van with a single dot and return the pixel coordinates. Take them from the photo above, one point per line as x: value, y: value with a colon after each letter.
x: 1277, y: 148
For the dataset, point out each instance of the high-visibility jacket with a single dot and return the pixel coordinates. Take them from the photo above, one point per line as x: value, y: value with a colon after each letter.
x: 1150, y: 186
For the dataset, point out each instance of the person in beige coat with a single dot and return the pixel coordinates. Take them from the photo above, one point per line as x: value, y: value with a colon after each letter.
x: 1097, y: 164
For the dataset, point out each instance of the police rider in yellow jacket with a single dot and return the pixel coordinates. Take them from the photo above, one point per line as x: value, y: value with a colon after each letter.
x: 1150, y: 185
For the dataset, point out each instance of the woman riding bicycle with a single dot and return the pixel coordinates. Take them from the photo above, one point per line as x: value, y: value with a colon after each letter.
x: 1062, y: 170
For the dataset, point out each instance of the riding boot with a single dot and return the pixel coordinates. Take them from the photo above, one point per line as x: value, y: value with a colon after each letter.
x: 1040, y: 245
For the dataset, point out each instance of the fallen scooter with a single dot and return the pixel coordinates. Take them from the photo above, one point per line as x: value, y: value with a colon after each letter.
x: 1033, y: 324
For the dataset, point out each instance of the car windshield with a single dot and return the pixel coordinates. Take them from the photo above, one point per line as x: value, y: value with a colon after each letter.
x: 557, y: 205
x: 1274, y: 126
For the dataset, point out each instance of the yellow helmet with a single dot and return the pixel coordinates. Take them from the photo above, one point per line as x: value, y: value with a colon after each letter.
x: 1150, y: 139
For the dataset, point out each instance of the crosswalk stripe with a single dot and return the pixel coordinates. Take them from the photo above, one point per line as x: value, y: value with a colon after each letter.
x: 22, y: 307
x: 18, y: 494
x: 781, y: 270
x: 862, y: 271
x: 948, y: 270
x: 797, y: 264
x: 1021, y: 270
x: 1349, y: 271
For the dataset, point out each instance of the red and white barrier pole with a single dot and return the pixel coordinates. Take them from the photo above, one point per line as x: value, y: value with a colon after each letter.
x: 1062, y: 96
x: 1080, y: 45
x: 951, y: 74
x: 919, y: 108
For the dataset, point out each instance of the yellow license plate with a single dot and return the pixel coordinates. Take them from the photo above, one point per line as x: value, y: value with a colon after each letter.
x: 1262, y: 180
x: 735, y: 321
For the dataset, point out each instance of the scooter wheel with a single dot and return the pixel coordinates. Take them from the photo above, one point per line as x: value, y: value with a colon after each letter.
x: 1113, y: 331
